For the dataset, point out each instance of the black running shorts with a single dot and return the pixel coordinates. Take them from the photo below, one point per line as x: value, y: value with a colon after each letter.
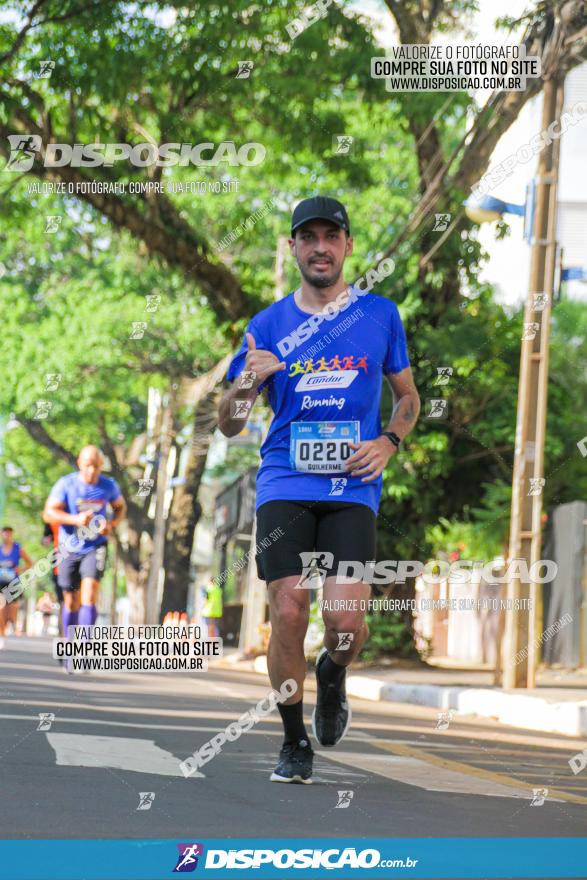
x: 76, y: 566
x: 334, y: 530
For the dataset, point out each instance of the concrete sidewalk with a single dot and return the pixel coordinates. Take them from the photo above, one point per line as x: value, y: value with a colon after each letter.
x: 557, y: 705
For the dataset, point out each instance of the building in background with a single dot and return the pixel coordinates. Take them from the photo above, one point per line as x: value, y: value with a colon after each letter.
x: 458, y: 636
x: 507, y: 268
x: 234, y: 520
x: 224, y: 540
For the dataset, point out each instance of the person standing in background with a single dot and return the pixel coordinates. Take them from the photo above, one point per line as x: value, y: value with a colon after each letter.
x: 213, y: 609
x: 45, y: 606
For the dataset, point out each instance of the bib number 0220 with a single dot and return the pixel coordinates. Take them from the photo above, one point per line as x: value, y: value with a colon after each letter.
x: 324, y: 450
x: 322, y: 447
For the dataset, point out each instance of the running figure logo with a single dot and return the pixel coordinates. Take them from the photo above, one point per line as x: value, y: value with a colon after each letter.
x: 46, y: 68
x: 338, y: 484
x: 240, y: 408
x: 244, y: 69
x: 444, y: 374
x: 246, y: 379
x: 444, y: 719
x: 344, y: 800
x: 188, y: 857
x: 344, y: 641
x: 530, y: 331
x: 46, y: 719
x: 43, y: 409
x: 539, y: 302
x: 53, y: 222
x: 438, y: 408
x: 539, y: 796
x: 52, y: 381
x: 536, y: 485
x: 342, y: 143
x: 146, y: 799
x: 23, y: 148
x: 314, y: 565
x: 441, y: 222
x: 153, y: 301
x: 138, y: 329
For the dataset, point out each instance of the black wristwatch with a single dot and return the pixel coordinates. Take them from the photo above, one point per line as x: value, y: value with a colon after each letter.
x: 393, y: 437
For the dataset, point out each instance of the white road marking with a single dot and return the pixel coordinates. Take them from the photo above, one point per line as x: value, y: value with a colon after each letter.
x: 221, y: 689
x: 411, y: 771
x: 147, y: 725
x: 114, y: 752
x: 143, y: 756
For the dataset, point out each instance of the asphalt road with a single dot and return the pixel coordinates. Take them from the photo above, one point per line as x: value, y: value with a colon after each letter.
x: 117, y: 735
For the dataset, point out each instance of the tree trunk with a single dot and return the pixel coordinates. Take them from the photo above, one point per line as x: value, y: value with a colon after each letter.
x: 136, y: 574
x: 166, y: 440
x: 186, y: 510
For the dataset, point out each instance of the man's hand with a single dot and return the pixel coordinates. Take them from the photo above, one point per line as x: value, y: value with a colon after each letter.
x: 371, y: 458
x: 261, y: 362
x: 83, y: 518
x: 105, y: 528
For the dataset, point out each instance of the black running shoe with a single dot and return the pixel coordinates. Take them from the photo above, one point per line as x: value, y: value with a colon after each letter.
x: 295, y: 763
x: 332, y: 715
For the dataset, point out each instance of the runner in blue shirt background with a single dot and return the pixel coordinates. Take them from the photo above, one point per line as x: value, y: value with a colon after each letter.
x: 11, y: 557
x: 74, y: 502
x: 320, y: 354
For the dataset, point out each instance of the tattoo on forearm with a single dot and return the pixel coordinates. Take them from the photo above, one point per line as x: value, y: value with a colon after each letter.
x: 409, y: 414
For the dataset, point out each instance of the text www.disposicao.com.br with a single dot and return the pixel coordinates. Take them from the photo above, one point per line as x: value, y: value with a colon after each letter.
x: 135, y: 664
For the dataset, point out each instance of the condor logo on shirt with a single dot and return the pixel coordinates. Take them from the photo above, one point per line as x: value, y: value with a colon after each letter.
x: 339, y: 372
x: 96, y: 504
x: 337, y: 379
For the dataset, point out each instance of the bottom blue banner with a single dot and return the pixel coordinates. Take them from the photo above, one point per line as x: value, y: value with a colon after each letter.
x: 273, y: 858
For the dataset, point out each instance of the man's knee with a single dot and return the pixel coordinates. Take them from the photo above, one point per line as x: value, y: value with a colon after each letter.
x: 71, y: 599
x: 289, y: 614
x: 344, y: 621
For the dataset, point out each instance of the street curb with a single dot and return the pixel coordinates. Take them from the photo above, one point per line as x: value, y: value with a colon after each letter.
x: 515, y: 710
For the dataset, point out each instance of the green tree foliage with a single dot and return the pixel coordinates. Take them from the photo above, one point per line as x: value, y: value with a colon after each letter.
x: 163, y: 73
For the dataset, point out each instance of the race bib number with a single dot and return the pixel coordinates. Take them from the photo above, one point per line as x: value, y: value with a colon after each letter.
x: 7, y: 574
x: 322, y: 447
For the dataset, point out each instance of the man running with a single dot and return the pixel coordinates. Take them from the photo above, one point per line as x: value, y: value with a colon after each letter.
x: 73, y: 503
x: 11, y: 557
x: 321, y: 354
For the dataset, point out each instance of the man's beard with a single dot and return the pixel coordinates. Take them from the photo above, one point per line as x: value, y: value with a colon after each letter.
x: 320, y: 279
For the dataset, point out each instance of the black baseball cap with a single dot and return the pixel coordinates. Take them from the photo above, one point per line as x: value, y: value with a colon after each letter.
x: 320, y: 208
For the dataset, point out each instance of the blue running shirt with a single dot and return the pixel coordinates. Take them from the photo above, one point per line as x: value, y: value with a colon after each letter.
x: 9, y: 562
x: 78, y: 496
x: 335, y: 363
